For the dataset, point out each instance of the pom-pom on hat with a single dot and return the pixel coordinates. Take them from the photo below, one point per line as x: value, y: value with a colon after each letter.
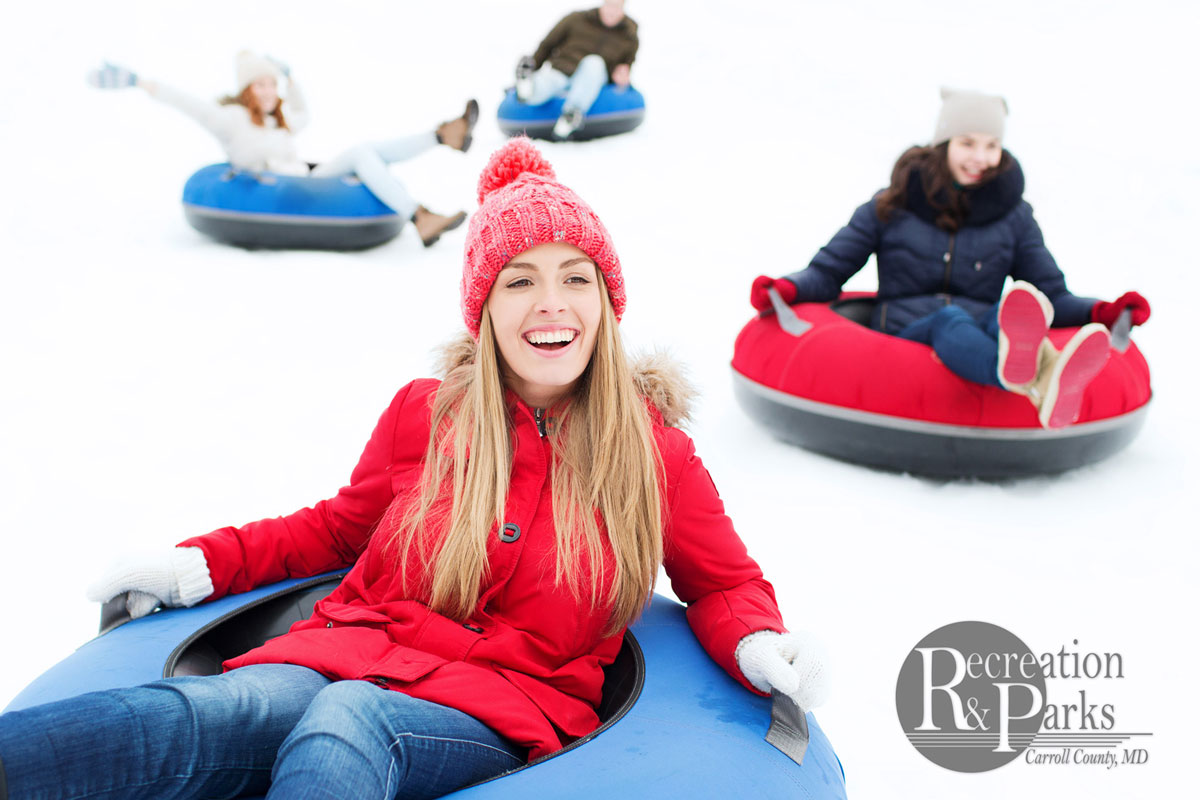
x: 521, y: 205
x: 250, y: 66
x: 969, y: 112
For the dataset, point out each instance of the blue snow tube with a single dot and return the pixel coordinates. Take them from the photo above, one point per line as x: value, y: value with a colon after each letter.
x: 268, y: 210
x: 616, y: 110
x: 673, y: 723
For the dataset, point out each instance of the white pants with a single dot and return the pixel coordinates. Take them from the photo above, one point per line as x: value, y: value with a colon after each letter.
x: 370, y: 163
x: 581, y: 89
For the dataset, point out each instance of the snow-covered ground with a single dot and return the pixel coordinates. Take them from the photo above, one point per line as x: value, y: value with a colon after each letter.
x: 157, y: 385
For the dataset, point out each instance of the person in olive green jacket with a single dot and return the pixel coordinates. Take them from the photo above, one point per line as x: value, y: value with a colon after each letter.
x: 582, y: 53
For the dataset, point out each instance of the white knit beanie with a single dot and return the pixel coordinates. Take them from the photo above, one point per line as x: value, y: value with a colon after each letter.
x: 969, y: 112
x: 251, y: 66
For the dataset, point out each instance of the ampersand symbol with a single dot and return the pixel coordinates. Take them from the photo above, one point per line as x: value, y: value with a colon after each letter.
x: 972, y: 706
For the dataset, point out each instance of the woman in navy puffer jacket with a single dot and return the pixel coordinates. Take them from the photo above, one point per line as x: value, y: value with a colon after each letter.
x: 946, y: 234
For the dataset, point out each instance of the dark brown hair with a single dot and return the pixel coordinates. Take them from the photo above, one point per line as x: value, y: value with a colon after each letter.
x: 948, y: 201
x: 257, y: 115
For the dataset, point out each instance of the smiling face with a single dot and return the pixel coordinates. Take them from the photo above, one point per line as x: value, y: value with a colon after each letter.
x: 970, y: 155
x: 266, y: 93
x: 545, y: 310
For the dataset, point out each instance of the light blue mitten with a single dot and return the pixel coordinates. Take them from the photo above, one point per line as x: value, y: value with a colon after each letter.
x: 111, y: 76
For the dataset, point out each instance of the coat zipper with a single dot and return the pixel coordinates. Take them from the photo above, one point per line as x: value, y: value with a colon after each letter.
x: 539, y: 416
x: 949, y: 259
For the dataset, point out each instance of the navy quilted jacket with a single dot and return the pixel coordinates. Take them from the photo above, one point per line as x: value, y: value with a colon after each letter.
x: 923, y: 268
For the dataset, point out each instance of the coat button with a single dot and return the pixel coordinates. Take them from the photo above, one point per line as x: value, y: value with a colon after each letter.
x: 946, y: 257
x: 328, y: 624
x: 978, y: 266
x: 471, y: 627
x: 510, y: 532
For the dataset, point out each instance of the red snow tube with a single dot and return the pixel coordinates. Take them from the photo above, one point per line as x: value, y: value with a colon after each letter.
x: 849, y: 392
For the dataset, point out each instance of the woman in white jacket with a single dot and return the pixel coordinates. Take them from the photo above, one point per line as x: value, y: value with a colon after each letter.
x: 257, y: 135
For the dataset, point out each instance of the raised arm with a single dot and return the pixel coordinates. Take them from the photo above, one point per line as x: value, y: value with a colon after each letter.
x: 212, y: 116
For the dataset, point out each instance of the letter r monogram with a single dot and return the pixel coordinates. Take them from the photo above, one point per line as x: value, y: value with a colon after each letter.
x: 927, y: 687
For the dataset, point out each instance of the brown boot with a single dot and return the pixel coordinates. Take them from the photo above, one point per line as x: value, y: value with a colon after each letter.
x: 457, y: 132
x: 431, y: 226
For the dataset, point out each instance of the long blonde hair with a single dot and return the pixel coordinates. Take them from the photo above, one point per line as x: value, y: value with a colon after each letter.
x: 606, y: 465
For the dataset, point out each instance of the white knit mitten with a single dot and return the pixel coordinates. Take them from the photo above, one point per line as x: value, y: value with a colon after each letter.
x: 178, y: 577
x: 794, y: 663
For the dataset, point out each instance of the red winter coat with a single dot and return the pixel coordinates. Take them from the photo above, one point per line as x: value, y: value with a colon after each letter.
x: 528, y: 663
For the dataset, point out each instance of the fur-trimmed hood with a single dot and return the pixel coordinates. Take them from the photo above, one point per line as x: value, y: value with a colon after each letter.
x: 657, y: 377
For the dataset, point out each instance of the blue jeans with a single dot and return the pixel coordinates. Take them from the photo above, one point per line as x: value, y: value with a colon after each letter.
x: 582, y: 88
x: 969, y: 348
x: 280, y: 728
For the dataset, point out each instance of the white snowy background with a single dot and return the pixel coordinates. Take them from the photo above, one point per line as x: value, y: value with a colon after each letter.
x: 157, y: 385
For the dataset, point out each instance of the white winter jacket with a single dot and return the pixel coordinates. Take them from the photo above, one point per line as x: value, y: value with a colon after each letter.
x: 265, y: 147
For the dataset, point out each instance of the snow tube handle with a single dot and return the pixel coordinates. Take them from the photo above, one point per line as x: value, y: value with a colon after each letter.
x: 787, y: 318
x: 264, y: 178
x: 1119, y: 335
x: 114, y: 614
x: 789, y: 727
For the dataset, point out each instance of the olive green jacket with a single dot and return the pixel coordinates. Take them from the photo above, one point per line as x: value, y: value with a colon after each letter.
x: 582, y: 33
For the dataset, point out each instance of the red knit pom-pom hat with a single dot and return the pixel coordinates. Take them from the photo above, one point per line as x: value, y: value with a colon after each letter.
x: 521, y: 205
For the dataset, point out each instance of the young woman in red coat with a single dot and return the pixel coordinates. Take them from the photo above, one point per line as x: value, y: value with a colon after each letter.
x: 504, y: 525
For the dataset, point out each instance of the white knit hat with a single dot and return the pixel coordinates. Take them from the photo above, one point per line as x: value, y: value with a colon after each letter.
x: 251, y: 66
x: 969, y: 112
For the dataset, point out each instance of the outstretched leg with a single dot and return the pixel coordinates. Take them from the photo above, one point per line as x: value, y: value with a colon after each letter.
x: 370, y: 163
x: 590, y: 77
x: 358, y: 740
x: 211, y: 737
x: 971, y: 350
x: 1053, y: 380
x: 961, y: 342
x: 403, y: 148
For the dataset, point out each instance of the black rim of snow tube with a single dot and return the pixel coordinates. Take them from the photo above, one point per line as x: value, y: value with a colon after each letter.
x: 933, y: 449
x: 292, y: 232
x: 592, y: 128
